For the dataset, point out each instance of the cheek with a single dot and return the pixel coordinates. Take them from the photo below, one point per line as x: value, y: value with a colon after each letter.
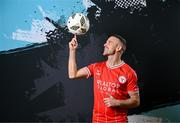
x: 113, y: 48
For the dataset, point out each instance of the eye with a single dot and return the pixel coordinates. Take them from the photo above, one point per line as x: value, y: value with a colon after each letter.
x: 110, y: 41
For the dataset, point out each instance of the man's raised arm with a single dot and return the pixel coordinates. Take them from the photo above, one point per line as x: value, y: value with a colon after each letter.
x: 72, y: 65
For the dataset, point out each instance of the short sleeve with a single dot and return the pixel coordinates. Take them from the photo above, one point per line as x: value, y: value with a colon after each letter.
x: 132, y: 83
x: 90, y: 70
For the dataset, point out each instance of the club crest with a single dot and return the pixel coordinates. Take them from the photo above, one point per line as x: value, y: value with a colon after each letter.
x: 122, y: 79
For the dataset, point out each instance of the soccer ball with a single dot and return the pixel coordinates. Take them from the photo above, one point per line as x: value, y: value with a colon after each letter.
x: 78, y: 24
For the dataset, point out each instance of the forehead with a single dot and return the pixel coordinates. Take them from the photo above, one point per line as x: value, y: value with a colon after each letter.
x: 113, y: 39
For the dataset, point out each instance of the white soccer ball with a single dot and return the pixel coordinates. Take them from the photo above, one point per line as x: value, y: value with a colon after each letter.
x: 78, y: 24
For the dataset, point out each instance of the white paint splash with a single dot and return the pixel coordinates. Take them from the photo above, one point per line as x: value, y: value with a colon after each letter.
x: 143, y: 2
x: 53, y: 14
x: 88, y: 3
x: 42, y: 11
x: 36, y: 34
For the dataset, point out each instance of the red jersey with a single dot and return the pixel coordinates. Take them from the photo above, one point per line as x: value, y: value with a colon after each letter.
x: 117, y: 81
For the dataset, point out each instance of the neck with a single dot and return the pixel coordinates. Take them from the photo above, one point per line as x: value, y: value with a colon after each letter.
x: 114, y: 60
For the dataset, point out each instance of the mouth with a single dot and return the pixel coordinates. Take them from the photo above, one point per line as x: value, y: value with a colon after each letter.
x: 105, y: 50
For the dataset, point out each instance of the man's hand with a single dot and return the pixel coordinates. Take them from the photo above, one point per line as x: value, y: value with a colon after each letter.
x: 111, y: 101
x: 73, y: 44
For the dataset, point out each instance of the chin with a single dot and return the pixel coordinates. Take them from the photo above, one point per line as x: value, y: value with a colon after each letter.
x: 105, y: 54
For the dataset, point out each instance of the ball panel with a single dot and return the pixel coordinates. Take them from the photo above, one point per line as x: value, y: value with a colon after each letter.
x: 74, y: 28
x: 82, y: 21
x: 83, y: 30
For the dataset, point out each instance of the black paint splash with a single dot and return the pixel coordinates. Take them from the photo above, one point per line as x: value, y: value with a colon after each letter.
x: 40, y: 70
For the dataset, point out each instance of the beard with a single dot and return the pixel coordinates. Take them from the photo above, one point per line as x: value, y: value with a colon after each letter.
x: 108, y: 52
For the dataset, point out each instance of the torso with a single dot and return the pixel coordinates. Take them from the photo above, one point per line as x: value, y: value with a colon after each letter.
x: 110, y: 81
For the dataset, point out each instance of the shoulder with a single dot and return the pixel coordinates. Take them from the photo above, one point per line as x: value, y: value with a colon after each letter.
x: 129, y: 70
x: 99, y: 64
x: 96, y: 65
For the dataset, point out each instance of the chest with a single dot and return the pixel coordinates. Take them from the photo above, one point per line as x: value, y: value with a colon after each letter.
x: 114, y: 78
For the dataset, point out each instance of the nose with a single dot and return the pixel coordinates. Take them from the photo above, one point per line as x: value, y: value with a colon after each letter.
x: 105, y: 44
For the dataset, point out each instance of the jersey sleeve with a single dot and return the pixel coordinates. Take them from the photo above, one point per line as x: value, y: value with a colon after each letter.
x: 132, y: 83
x: 90, y: 70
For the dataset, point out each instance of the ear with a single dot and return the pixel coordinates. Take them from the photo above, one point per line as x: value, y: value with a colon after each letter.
x: 118, y: 48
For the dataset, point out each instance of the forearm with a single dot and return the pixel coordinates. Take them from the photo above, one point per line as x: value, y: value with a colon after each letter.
x: 129, y: 103
x: 72, y: 66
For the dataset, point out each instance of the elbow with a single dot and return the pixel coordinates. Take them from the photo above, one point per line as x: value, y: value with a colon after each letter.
x: 71, y: 77
x: 136, y: 103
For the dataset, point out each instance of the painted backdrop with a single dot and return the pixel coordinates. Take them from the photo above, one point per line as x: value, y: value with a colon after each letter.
x: 34, y: 54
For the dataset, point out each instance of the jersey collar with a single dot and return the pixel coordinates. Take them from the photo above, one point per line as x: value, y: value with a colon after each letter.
x: 115, y: 66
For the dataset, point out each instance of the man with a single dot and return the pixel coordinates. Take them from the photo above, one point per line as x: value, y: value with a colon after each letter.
x: 115, y: 82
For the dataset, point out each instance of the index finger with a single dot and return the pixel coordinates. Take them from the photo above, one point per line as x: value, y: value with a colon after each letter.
x: 75, y: 36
